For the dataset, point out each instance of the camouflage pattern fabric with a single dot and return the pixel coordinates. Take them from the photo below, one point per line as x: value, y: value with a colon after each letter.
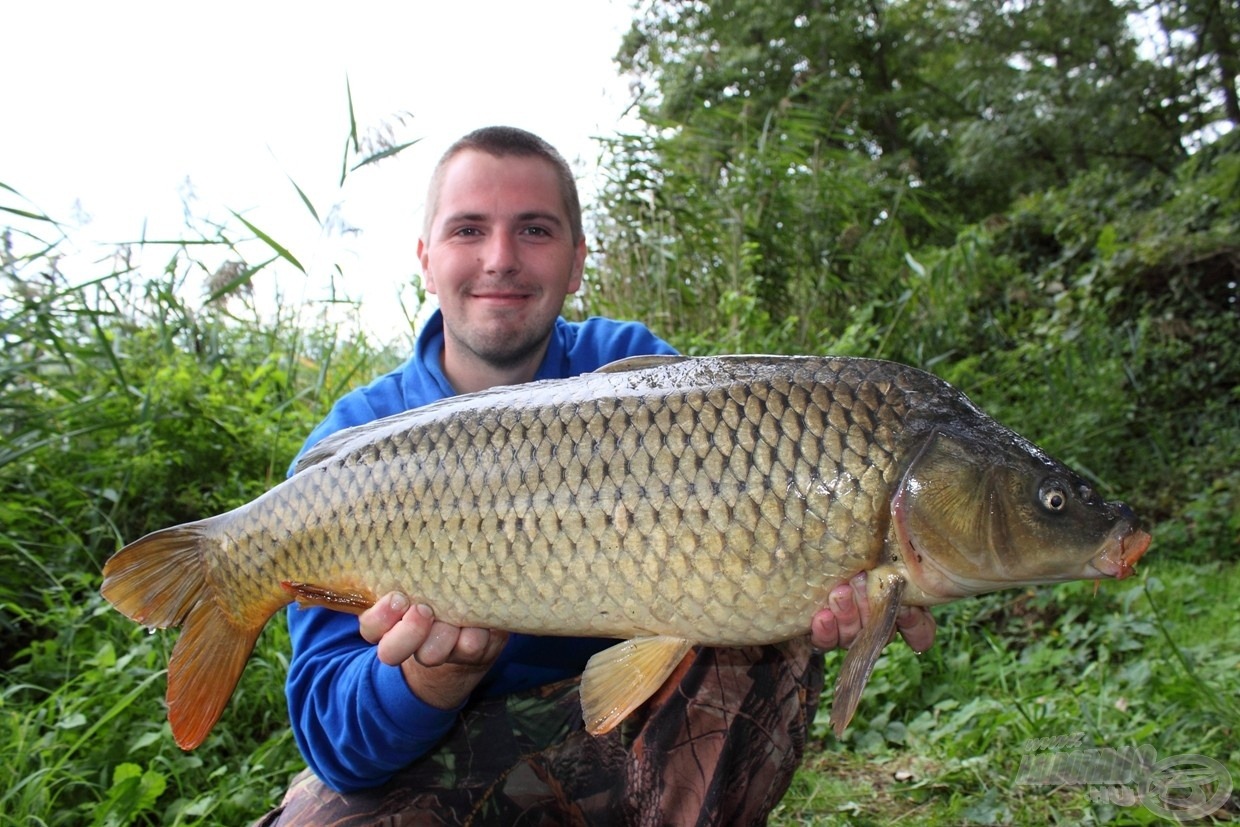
x: 717, y: 745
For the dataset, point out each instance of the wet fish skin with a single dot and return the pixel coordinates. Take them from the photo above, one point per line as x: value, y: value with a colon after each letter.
x: 665, y: 500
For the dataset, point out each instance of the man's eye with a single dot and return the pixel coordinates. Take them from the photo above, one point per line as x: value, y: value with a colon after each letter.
x: 541, y: 231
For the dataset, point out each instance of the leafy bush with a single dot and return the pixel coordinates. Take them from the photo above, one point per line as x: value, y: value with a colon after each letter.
x: 127, y: 409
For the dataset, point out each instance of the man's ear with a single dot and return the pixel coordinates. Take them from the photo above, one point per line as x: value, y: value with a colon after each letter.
x: 428, y: 279
x: 579, y: 267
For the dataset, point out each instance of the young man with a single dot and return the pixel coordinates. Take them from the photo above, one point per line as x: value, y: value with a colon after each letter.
x: 401, y: 716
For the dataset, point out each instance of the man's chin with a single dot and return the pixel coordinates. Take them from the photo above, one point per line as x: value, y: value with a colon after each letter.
x: 507, y: 349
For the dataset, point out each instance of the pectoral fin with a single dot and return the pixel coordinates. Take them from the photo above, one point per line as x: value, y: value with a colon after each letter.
x: 308, y: 594
x: 884, y: 598
x: 619, y: 679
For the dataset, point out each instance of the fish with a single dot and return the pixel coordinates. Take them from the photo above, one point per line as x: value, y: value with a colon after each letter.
x: 665, y: 501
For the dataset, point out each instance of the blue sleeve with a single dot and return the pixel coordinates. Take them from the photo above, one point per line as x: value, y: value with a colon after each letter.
x: 354, y: 718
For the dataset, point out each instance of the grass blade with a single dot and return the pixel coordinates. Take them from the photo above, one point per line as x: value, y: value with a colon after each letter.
x: 270, y: 242
x: 387, y: 153
x: 306, y: 200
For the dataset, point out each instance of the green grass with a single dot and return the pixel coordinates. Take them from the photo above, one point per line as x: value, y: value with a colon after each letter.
x: 126, y: 406
x: 939, y: 738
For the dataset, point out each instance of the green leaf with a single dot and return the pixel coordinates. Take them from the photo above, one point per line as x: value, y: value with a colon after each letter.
x: 270, y: 242
x: 306, y: 200
x: 133, y: 793
x: 387, y: 153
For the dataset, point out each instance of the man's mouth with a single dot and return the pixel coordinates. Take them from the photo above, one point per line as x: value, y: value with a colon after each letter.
x: 501, y: 295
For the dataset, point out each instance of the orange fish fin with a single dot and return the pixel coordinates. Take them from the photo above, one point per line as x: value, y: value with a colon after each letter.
x: 884, y: 596
x: 161, y: 580
x: 308, y: 594
x: 157, y: 580
x: 619, y: 679
x: 205, y: 667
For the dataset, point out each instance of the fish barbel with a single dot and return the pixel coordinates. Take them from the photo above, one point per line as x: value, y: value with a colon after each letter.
x: 666, y: 501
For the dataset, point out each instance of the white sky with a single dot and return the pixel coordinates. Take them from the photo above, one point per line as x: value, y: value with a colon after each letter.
x: 113, y: 106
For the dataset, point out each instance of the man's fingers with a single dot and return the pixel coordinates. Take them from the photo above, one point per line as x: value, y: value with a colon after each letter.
x: 846, y: 603
x: 469, y: 646
x: 837, y: 625
x: 402, y: 631
x: 917, y: 627
x: 476, y: 646
x: 375, y: 622
x: 847, y: 606
x: 824, y: 631
x: 407, y: 635
x: 439, y: 644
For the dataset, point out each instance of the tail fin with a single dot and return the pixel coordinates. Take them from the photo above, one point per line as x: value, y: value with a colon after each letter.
x: 161, y: 581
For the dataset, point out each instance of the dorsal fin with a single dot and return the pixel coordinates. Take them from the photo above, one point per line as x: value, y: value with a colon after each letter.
x: 640, y: 363
x: 348, y: 439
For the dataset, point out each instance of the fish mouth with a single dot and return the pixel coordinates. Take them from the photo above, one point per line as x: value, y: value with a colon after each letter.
x: 1119, y: 557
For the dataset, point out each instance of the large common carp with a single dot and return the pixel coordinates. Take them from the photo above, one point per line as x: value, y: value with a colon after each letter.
x: 665, y: 501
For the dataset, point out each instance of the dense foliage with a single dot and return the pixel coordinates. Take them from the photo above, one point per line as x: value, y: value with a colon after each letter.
x: 130, y: 404
x: 1039, y: 202
x: 1018, y: 196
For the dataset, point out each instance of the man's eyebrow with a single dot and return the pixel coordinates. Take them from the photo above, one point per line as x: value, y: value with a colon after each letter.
x: 539, y: 215
x: 456, y: 218
x: 529, y: 215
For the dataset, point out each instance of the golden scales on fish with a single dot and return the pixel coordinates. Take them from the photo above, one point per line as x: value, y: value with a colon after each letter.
x: 666, y: 501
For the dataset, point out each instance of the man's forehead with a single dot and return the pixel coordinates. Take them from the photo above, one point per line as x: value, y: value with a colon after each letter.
x: 473, y: 180
x: 472, y: 161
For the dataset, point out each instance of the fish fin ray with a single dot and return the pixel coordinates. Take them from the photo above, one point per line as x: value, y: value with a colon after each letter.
x: 158, y: 579
x: 204, y: 670
x: 161, y: 581
x: 619, y: 679
x: 640, y: 363
x: 308, y: 594
x: 863, y: 654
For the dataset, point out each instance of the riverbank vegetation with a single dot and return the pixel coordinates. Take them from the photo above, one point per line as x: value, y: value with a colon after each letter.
x: 1051, y: 222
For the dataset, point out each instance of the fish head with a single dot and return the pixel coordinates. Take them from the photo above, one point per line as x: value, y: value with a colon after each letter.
x: 979, y: 512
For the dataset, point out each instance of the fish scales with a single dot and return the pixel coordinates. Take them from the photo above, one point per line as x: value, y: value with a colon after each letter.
x: 660, y: 522
x: 714, y: 501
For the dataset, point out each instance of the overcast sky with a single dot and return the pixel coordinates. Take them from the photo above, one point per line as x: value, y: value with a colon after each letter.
x: 110, y: 108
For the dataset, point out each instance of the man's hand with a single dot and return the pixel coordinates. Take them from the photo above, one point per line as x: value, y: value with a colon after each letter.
x: 840, y: 623
x: 441, y: 663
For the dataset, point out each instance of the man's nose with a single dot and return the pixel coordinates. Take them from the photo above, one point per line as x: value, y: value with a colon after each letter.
x: 500, y: 254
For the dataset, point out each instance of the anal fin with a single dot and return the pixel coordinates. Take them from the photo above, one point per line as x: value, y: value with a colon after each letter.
x: 619, y: 679
x: 885, y: 591
x: 308, y: 594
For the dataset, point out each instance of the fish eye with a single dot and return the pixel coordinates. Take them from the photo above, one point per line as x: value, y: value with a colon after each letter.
x: 1053, y: 496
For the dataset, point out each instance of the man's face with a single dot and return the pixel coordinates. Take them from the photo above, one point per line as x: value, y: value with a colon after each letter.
x: 500, y: 257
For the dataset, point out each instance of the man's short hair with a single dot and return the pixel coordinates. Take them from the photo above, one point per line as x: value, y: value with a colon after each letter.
x: 500, y: 142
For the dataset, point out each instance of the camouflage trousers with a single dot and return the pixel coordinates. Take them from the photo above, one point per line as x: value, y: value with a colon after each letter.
x: 717, y: 745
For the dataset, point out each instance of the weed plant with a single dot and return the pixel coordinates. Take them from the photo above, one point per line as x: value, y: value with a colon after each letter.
x: 126, y: 406
x: 129, y: 405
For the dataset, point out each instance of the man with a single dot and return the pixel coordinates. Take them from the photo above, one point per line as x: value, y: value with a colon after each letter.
x: 417, y: 721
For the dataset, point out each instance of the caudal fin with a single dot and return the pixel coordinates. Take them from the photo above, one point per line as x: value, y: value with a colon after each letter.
x: 161, y: 581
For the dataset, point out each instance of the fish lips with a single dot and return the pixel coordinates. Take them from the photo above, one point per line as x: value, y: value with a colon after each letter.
x: 1121, y: 552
